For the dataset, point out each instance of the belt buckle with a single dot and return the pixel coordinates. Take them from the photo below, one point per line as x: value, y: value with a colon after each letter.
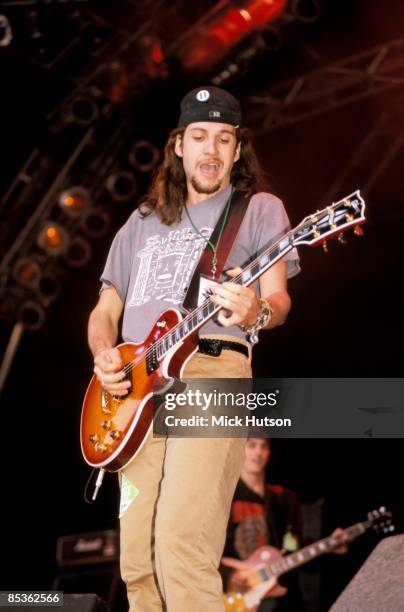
x: 210, y: 347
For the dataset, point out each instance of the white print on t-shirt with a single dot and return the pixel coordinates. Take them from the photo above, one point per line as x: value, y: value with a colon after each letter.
x: 166, y: 266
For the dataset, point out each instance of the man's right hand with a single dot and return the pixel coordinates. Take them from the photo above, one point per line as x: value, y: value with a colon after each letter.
x: 108, y: 370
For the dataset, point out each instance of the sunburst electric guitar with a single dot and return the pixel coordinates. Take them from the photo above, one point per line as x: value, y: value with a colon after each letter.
x: 113, y: 429
x: 263, y: 568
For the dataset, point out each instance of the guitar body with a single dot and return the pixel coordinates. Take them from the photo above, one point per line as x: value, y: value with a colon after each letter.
x: 113, y: 429
x: 249, y: 598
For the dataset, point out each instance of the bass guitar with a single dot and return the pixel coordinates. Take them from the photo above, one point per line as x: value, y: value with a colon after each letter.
x: 113, y: 429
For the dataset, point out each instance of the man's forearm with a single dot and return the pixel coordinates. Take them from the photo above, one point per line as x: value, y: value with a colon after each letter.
x: 102, y: 331
x: 280, y: 303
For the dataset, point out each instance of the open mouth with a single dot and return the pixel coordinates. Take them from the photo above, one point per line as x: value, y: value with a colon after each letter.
x: 210, y: 169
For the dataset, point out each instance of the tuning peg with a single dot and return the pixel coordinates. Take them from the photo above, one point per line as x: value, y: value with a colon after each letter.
x: 358, y: 230
x: 341, y: 238
x: 325, y: 247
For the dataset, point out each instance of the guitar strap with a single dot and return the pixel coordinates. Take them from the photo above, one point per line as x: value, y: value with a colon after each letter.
x: 238, y: 208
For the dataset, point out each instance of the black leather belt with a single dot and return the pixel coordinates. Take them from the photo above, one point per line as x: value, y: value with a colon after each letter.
x: 210, y: 346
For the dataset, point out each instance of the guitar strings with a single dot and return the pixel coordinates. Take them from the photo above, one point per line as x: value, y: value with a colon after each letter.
x: 132, y: 364
x: 235, y: 280
x: 188, y: 318
x: 153, y: 348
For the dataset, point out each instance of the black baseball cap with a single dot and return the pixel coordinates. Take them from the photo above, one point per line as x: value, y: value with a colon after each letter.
x: 209, y: 104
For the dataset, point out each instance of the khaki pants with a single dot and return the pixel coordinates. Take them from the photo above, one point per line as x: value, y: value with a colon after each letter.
x: 173, y: 533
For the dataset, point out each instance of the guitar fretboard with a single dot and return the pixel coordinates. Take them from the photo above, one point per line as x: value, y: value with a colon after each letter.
x: 312, y: 229
x: 293, y: 560
x: 208, y: 309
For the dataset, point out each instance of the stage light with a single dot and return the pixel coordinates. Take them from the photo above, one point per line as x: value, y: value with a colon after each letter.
x: 35, y: 30
x: 305, y: 10
x: 48, y: 287
x: 151, y: 57
x: 6, y: 34
x: 74, y: 200
x: 122, y: 186
x: 53, y: 239
x: 78, y: 253
x: 27, y: 272
x: 83, y: 110
x: 117, y: 81
x: 144, y: 156
x: 95, y: 223
x: 228, y: 30
x: 32, y: 315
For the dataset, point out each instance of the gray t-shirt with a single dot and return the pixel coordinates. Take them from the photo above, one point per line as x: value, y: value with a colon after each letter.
x: 151, y: 264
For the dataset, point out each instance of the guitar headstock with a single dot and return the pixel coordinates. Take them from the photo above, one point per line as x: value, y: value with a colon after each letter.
x: 334, y: 219
x: 381, y: 520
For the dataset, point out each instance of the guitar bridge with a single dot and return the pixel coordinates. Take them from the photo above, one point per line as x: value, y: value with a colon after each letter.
x: 105, y: 407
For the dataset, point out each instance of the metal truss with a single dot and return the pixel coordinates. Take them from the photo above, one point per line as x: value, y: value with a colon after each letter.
x: 372, y: 156
x: 45, y: 205
x: 339, y: 84
x: 33, y: 195
x: 48, y: 166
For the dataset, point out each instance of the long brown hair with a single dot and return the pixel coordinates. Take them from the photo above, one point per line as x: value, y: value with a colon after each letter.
x: 168, y: 191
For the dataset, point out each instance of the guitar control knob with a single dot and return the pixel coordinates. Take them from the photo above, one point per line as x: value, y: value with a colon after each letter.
x: 100, y: 448
x: 93, y: 438
x: 106, y: 425
x: 115, y: 434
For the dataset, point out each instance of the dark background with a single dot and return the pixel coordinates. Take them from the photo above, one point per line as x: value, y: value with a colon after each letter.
x: 347, y: 313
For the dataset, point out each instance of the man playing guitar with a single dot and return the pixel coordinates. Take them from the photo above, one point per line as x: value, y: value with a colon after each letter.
x: 178, y: 491
x: 263, y: 514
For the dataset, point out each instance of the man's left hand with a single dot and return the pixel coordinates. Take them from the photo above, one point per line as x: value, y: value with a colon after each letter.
x: 342, y: 548
x: 242, y: 302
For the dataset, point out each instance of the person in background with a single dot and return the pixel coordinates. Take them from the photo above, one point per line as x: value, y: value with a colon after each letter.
x: 265, y: 514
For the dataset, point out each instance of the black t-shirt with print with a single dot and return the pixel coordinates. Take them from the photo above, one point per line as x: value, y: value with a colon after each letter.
x: 273, y: 520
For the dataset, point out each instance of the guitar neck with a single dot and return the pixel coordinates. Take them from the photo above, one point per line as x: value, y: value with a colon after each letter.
x: 312, y: 551
x: 311, y: 230
x: 200, y: 315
